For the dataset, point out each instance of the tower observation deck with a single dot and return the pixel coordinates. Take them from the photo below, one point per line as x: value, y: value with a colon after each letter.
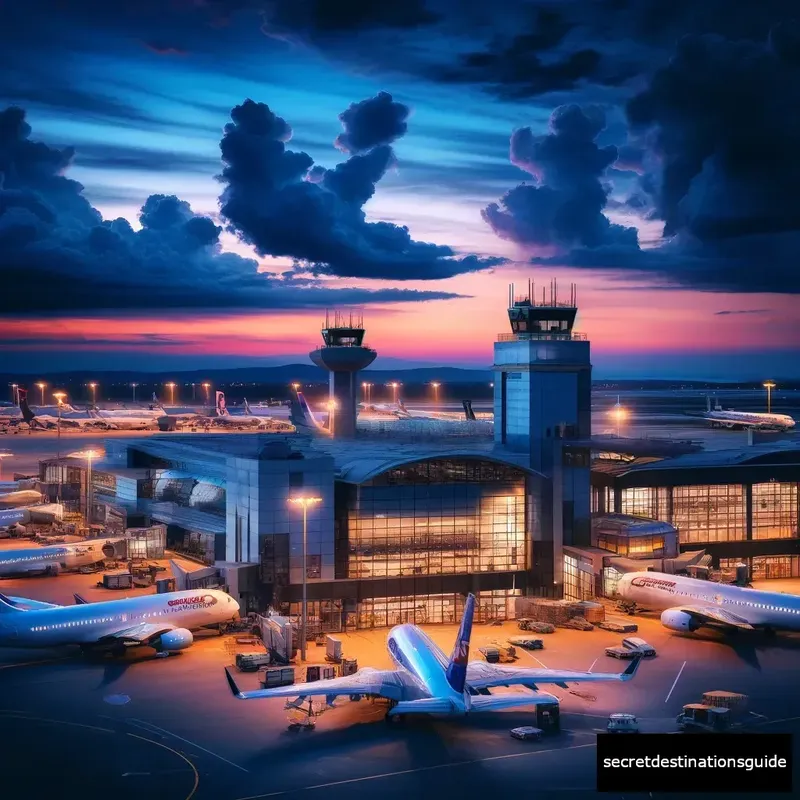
x: 344, y: 355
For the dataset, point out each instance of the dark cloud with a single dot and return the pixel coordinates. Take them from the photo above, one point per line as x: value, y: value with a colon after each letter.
x: 564, y: 208
x: 141, y: 159
x: 163, y: 49
x: 276, y: 200
x: 375, y: 121
x: 60, y: 255
x: 742, y: 311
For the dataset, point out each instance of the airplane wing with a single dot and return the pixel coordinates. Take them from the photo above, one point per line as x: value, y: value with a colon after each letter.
x: 715, y: 614
x: 481, y: 675
x: 137, y: 634
x: 382, y: 683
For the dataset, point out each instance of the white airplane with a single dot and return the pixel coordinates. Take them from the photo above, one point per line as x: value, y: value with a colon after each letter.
x: 51, y: 422
x: 162, y: 621
x: 251, y: 417
x: 690, y: 603
x: 20, y: 497
x: 122, y: 422
x: 54, y: 558
x: 728, y: 418
x: 426, y: 682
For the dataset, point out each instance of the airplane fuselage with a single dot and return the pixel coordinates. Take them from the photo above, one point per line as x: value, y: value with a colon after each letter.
x: 55, y: 558
x: 761, y: 609
x: 412, y: 650
x: 745, y: 419
x: 87, y: 623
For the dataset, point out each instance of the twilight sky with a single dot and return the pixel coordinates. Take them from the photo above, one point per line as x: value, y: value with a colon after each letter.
x: 190, y: 183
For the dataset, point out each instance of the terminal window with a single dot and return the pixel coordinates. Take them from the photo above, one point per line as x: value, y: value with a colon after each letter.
x: 709, y: 513
x: 438, y: 517
x: 775, y: 510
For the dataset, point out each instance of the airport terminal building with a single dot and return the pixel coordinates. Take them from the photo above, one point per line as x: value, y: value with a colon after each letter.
x: 402, y: 527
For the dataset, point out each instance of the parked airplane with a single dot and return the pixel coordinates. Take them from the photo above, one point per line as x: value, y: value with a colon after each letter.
x: 728, y: 418
x: 426, y: 682
x: 54, y: 558
x: 123, y: 422
x: 20, y: 497
x: 49, y: 422
x: 162, y: 621
x: 690, y: 603
x: 302, y: 417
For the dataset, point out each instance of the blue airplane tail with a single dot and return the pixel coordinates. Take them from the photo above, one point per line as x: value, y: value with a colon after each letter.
x: 457, y: 666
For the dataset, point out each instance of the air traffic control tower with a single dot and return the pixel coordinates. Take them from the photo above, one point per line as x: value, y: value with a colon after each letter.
x: 542, y: 402
x: 343, y: 355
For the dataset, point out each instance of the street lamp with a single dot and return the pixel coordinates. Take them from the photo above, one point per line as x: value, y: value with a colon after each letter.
x: 15, y: 394
x: 367, y: 387
x: 41, y: 389
x: 59, y: 396
x: 171, y: 387
x: 394, y: 386
x: 436, y: 386
x: 331, y: 406
x: 305, y: 502
x: 619, y: 414
x: 207, y: 386
x: 133, y: 386
x: 295, y: 386
x: 769, y: 386
x: 88, y: 455
x: 4, y: 454
x: 93, y: 387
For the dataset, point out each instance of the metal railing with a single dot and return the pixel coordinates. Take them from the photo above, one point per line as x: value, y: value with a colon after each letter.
x: 566, y: 336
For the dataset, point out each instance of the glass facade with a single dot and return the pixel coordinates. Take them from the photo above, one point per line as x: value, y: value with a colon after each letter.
x: 645, y: 501
x: 765, y: 567
x: 611, y: 578
x: 578, y: 583
x: 639, y: 546
x: 775, y: 510
x: 436, y: 517
x: 707, y: 514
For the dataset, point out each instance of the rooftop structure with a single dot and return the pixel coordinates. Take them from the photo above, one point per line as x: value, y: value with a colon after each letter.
x: 344, y: 355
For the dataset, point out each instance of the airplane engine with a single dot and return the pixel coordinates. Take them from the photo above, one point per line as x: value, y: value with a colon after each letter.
x: 172, y: 641
x: 679, y: 621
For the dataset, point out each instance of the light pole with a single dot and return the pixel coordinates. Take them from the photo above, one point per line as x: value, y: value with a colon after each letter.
x: 59, y: 396
x: 305, y: 502
x: 295, y: 386
x: 435, y: 386
x: 41, y: 389
x: 4, y: 454
x: 394, y: 386
x: 331, y: 415
x: 171, y: 387
x: 133, y: 386
x: 769, y: 386
x: 93, y: 387
x: 14, y: 394
x: 619, y: 413
x: 207, y: 387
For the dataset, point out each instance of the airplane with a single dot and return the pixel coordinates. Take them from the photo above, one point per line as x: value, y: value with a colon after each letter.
x: 728, y: 418
x: 426, y: 682
x: 20, y: 497
x: 162, y: 621
x: 689, y: 603
x: 49, y: 422
x: 53, y: 559
x: 303, y: 419
x: 123, y: 422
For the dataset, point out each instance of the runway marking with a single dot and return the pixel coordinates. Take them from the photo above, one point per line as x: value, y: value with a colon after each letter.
x: 35, y: 663
x: 180, y: 755
x: 675, y: 682
x: 775, y: 721
x: 21, y: 715
x: 539, y: 662
x: 592, y: 667
x: 419, y: 769
x: 154, y: 728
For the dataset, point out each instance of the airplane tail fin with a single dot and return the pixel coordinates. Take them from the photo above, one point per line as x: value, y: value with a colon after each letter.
x: 79, y: 600
x: 222, y: 409
x: 457, y: 666
x: 27, y: 415
x: 8, y: 606
x: 247, y: 410
x: 708, y: 402
x: 468, y: 412
x: 301, y: 416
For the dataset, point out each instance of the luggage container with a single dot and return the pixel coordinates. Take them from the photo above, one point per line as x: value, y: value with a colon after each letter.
x: 349, y: 666
x: 252, y: 662
x: 319, y: 672
x: 117, y: 580
x: 548, y: 717
x: 333, y: 649
x: 278, y: 676
x: 164, y: 585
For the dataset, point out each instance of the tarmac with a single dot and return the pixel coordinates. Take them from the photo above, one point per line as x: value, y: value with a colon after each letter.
x: 170, y: 728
